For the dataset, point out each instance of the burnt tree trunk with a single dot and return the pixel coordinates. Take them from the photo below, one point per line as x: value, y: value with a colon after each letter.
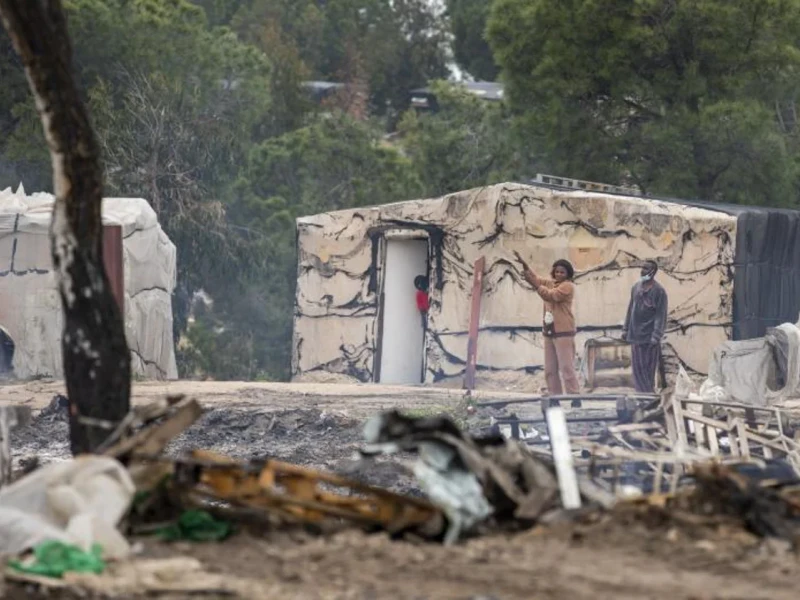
x: 96, y: 358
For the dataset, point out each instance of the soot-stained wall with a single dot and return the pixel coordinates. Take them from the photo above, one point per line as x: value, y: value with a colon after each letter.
x: 340, y: 254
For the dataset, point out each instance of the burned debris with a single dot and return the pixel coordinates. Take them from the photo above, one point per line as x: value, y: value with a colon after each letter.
x: 474, y: 485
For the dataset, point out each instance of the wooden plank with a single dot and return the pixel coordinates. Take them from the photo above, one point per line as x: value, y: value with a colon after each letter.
x: 721, y: 425
x: 783, y: 438
x: 587, y: 397
x: 631, y: 427
x: 474, y: 323
x: 713, y: 442
x: 744, y: 443
x: 11, y: 417
x: 591, y: 360
x: 658, y: 476
x: 733, y: 439
x: 773, y: 444
x: 680, y: 423
x: 738, y: 405
x: 152, y: 440
x: 700, y: 434
x: 669, y: 420
x: 562, y: 458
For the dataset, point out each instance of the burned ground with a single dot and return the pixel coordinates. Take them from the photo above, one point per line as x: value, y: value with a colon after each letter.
x: 309, y: 437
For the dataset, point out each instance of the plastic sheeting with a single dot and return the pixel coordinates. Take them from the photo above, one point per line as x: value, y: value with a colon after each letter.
x: 758, y: 372
x: 79, y: 501
x: 30, y: 308
x: 766, y: 278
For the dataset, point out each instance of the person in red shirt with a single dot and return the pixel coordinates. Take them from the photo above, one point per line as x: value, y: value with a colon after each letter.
x: 423, y: 301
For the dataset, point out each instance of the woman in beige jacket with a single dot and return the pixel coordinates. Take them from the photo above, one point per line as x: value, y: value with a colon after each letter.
x: 558, y: 328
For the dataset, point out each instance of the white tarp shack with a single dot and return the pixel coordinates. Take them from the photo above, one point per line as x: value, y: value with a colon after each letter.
x: 30, y: 307
x: 759, y: 372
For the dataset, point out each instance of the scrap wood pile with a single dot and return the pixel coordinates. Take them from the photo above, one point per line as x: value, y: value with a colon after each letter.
x: 656, y: 449
x: 651, y: 443
x: 753, y: 497
x: 70, y: 523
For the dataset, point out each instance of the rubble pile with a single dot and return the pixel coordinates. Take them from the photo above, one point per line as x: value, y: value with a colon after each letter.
x: 74, y: 523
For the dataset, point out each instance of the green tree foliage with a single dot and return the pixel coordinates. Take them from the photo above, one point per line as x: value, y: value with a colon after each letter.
x: 390, y: 47
x: 219, y: 12
x: 20, y: 161
x: 676, y: 96
x: 470, y: 49
x: 176, y: 112
x: 333, y: 163
x: 467, y: 143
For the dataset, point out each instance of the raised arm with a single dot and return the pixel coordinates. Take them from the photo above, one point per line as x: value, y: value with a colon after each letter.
x: 530, y: 275
x: 527, y: 272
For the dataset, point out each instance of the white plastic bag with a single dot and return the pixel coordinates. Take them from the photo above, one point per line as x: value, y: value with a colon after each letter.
x: 711, y: 391
x: 79, y: 501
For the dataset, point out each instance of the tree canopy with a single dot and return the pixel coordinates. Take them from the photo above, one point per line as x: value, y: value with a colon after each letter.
x: 471, y: 51
x: 675, y: 96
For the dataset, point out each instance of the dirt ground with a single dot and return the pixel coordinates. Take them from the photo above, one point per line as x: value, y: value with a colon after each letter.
x: 627, y: 556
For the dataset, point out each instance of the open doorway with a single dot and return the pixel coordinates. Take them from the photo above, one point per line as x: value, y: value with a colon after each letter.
x: 402, y: 340
x: 7, y: 348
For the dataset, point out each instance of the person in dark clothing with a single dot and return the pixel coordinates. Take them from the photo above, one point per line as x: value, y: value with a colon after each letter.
x: 644, y: 327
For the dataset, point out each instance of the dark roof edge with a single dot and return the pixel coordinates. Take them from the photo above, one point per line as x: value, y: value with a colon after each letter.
x: 730, y: 209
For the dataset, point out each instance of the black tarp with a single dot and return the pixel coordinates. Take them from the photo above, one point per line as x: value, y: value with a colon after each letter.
x: 766, y: 279
x: 766, y: 276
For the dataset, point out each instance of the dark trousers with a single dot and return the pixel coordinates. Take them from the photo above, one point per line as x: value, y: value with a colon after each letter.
x: 645, y: 359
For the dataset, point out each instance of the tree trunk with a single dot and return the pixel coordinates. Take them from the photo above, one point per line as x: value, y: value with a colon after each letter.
x: 96, y: 358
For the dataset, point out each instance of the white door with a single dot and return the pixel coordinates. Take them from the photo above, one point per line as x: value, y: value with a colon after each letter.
x: 402, y: 342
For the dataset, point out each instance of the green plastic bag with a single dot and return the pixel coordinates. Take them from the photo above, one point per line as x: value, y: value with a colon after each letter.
x: 196, y: 526
x: 53, y: 559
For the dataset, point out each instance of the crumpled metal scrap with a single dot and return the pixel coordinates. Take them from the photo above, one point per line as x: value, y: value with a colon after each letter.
x: 469, y: 478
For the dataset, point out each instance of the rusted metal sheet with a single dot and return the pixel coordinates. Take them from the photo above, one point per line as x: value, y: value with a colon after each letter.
x: 112, y: 259
x: 295, y: 493
x: 474, y: 321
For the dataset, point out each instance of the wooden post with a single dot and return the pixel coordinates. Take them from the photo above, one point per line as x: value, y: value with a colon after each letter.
x: 562, y: 458
x: 474, y: 322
